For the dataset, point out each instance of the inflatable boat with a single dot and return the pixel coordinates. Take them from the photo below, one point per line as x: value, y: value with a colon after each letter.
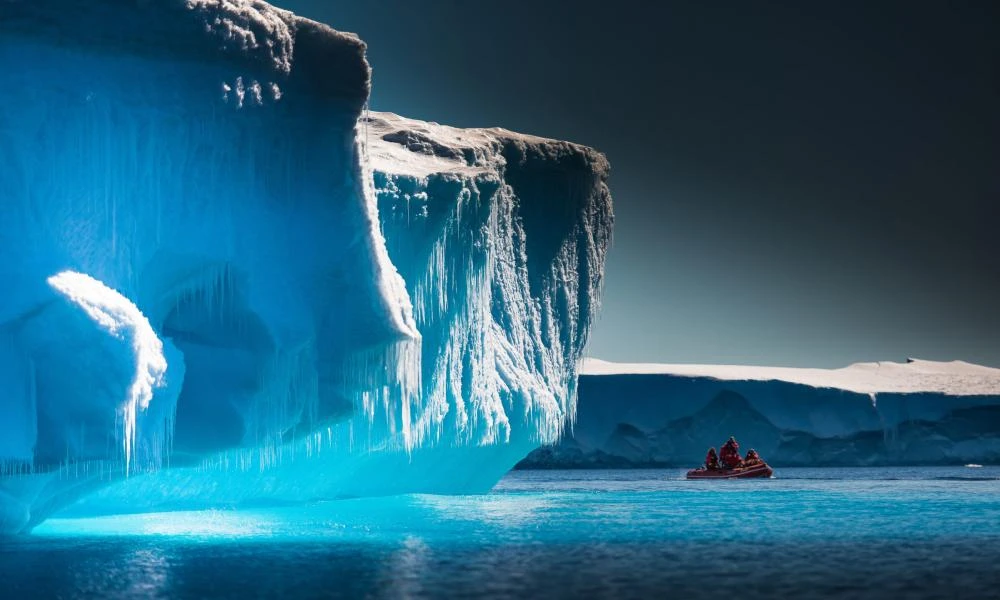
x: 760, y: 469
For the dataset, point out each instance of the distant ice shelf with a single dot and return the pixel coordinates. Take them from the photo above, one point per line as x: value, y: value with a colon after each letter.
x: 227, y: 283
x: 955, y: 378
x: 883, y: 413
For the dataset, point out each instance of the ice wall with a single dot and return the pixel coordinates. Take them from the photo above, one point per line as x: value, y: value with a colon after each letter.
x: 200, y: 306
x: 201, y: 160
x: 503, y: 323
x: 915, y: 413
x: 501, y: 238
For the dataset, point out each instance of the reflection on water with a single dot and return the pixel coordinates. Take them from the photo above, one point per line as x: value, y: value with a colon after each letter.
x: 149, y: 573
x: 509, y: 511
x: 406, y: 568
x: 868, y: 534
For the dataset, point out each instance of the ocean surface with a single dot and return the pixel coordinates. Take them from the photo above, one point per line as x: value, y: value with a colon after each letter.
x: 818, y: 533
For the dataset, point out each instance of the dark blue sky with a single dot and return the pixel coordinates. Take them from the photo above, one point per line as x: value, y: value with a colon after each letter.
x: 796, y: 185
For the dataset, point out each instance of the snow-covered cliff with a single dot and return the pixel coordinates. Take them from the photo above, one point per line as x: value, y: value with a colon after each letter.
x: 201, y: 305
x: 918, y: 412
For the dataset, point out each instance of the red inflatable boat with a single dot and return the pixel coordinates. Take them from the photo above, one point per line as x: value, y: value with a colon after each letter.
x: 760, y: 469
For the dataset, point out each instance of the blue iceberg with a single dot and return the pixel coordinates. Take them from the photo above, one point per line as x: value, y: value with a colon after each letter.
x: 228, y: 283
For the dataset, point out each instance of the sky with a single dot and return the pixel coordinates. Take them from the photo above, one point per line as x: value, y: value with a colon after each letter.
x: 799, y: 184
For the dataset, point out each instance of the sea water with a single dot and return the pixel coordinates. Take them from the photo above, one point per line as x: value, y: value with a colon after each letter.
x: 858, y: 533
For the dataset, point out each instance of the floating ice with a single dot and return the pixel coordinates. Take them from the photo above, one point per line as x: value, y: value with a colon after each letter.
x: 205, y: 164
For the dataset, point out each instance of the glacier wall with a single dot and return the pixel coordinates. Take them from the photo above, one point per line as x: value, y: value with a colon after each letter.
x: 501, y: 238
x: 201, y: 306
x: 671, y: 419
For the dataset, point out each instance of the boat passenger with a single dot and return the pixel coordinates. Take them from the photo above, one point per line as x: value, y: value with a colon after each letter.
x: 730, y: 454
x: 711, y: 459
x: 752, y: 458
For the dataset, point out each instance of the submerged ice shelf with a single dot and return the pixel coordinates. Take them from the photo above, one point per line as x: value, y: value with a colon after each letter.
x: 227, y: 283
x: 915, y: 413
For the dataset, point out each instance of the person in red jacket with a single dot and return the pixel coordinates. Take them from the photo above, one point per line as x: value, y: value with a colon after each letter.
x: 711, y: 459
x: 731, y: 454
x: 752, y: 458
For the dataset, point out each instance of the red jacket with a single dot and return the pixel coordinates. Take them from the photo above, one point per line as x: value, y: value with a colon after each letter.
x: 731, y: 454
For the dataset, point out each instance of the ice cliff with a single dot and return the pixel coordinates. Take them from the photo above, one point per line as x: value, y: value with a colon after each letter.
x: 914, y: 413
x: 226, y: 282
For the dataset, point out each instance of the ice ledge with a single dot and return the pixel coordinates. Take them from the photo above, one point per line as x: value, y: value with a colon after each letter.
x: 401, y: 146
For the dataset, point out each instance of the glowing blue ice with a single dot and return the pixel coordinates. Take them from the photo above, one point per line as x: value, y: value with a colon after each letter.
x: 200, y: 304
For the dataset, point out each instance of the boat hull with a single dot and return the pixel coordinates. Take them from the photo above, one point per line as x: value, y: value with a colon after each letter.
x: 756, y: 471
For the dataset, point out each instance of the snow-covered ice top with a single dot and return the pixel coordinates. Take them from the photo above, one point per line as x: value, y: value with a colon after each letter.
x: 403, y: 146
x: 955, y: 378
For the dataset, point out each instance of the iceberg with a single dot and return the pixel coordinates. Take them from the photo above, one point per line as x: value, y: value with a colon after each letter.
x: 229, y: 283
x: 868, y: 414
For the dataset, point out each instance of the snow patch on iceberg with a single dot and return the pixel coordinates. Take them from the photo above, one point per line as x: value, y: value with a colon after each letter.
x: 254, y: 28
x: 117, y: 315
